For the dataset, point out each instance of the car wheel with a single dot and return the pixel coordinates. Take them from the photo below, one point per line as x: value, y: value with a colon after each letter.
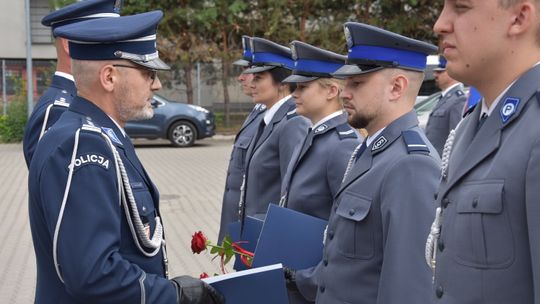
x: 182, y: 134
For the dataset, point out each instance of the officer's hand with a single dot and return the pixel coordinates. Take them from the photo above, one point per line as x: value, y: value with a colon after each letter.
x: 195, y: 291
x: 290, y: 278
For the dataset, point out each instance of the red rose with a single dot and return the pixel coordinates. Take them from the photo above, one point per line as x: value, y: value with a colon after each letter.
x: 204, y: 275
x: 198, y: 242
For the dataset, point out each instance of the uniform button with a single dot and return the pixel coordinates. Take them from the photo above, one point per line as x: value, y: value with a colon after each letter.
x: 475, y: 203
x: 439, y: 292
x: 330, y: 235
x: 321, y: 288
x: 445, y: 203
x: 352, y: 212
x: 325, y: 262
x: 435, y: 196
x: 440, y: 245
x: 144, y: 209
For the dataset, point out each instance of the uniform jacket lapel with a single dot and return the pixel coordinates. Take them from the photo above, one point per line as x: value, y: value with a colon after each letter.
x: 387, y: 137
x: 278, y: 116
x: 471, y: 149
x: 257, y: 110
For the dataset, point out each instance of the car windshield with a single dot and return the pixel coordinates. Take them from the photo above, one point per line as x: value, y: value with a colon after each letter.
x: 427, y: 104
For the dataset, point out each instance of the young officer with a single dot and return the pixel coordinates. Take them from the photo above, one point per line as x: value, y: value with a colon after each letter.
x: 58, y: 96
x: 318, y: 164
x: 374, y: 239
x: 279, y: 132
x: 235, y: 172
x: 94, y: 211
x: 489, y: 245
x: 449, y: 109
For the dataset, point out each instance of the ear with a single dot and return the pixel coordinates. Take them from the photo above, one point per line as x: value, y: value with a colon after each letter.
x: 523, y: 18
x: 333, y: 92
x: 65, y: 45
x: 398, y: 87
x: 108, y: 76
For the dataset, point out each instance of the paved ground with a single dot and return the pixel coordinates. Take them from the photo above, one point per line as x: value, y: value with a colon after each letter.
x: 190, y: 182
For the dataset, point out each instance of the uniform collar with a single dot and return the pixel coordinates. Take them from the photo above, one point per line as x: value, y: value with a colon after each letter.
x: 488, y: 110
x: 272, y: 111
x: 445, y: 92
x: 65, y: 75
x: 327, y: 118
x: 118, y: 126
x: 63, y: 83
x: 371, y: 138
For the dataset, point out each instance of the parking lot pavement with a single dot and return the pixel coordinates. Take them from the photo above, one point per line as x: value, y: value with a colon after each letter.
x: 190, y: 182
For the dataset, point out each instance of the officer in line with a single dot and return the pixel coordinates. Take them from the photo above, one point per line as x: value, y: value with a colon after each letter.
x: 235, y: 172
x: 279, y: 132
x: 318, y: 164
x: 94, y: 211
x: 488, y: 250
x: 62, y: 89
x: 449, y: 109
x: 374, y: 239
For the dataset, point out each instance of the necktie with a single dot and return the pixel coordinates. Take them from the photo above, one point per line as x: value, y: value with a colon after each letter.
x: 481, y: 121
x: 361, y: 150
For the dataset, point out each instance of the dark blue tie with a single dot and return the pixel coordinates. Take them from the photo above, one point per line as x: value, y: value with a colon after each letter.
x: 361, y: 150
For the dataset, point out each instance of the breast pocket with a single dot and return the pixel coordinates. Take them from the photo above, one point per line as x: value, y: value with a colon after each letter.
x: 437, y: 118
x: 482, y: 232
x: 240, y: 150
x: 353, y: 228
x: 145, y: 204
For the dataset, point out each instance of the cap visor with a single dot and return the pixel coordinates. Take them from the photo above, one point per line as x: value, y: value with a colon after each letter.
x: 299, y: 79
x: 439, y: 69
x: 258, y: 69
x: 155, y: 64
x: 242, y: 62
x: 351, y: 70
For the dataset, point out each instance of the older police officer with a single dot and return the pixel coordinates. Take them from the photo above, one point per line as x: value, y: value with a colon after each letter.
x: 489, y: 245
x: 235, y: 172
x: 449, y: 109
x: 62, y: 89
x: 94, y: 211
x: 373, y: 246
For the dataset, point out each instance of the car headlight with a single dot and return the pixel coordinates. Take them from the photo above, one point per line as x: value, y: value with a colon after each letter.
x: 198, y: 108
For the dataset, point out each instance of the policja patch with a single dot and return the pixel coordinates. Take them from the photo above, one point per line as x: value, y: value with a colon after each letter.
x: 92, y: 159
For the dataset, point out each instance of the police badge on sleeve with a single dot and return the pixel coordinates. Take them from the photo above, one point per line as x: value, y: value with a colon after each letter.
x: 92, y: 159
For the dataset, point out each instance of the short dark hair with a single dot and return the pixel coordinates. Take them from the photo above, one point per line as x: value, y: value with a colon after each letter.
x: 279, y: 74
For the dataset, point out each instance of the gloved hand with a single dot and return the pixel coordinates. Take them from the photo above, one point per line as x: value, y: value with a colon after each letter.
x: 290, y: 278
x: 195, y: 291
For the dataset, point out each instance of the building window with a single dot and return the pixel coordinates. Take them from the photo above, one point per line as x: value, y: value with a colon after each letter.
x: 40, y: 33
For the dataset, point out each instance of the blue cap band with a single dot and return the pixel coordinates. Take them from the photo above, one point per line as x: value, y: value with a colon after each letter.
x: 105, y: 51
x: 248, y: 55
x: 272, y: 59
x: 315, y: 66
x: 404, y: 58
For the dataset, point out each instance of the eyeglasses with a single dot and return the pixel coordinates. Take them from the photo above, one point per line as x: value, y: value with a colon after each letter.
x: 153, y: 73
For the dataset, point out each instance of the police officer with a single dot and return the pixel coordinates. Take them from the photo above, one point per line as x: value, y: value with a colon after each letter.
x: 449, y: 109
x: 94, y: 211
x: 62, y: 89
x: 373, y: 246
x: 235, y: 172
x: 280, y: 130
x: 318, y: 164
x: 489, y: 245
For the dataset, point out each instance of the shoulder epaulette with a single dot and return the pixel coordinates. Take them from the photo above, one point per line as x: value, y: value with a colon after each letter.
x: 460, y: 93
x: 346, y: 131
x: 61, y: 103
x: 414, y: 142
x: 91, y: 128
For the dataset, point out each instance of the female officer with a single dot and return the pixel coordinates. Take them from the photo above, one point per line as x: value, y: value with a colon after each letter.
x: 318, y: 164
x: 279, y: 132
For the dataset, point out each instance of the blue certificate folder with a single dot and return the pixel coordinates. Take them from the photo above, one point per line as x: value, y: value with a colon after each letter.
x: 264, y: 285
x: 290, y: 237
x: 248, y: 239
